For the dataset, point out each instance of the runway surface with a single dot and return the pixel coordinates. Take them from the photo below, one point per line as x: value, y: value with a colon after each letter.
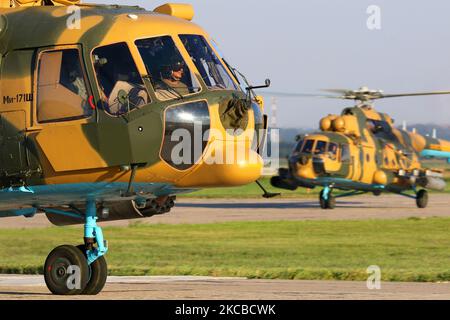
x: 208, y: 288
x: 195, y: 211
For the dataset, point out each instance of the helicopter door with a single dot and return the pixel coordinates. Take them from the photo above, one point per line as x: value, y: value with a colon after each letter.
x: 62, y: 111
x: 347, y: 162
x: 13, y: 158
x: 331, y: 157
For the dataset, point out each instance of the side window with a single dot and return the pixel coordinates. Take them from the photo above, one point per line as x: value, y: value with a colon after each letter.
x: 62, y: 93
x: 120, y: 83
x: 168, y: 72
x: 345, y: 153
x: 332, y: 150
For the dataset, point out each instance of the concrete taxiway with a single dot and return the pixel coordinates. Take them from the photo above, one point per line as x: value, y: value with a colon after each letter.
x: 209, y: 288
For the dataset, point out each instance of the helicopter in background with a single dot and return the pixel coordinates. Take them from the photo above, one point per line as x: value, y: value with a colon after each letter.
x: 360, y: 151
x: 92, y: 117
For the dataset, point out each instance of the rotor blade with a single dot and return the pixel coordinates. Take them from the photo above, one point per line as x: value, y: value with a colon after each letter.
x: 338, y: 91
x: 297, y: 95
x: 432, y: 93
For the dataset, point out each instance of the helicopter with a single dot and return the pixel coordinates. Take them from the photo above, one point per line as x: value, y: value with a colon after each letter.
x: 93, y: 112
x: 361, y: 151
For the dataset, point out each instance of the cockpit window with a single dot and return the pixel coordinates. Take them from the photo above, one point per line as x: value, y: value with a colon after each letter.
x: 168, y: 72
x: 208, y: 64
x: 332, y: 150
x: 321, y: 147
x: 299, y: 145
x: 308, y: 146
x: 120, y: 83
x: 376, y: 126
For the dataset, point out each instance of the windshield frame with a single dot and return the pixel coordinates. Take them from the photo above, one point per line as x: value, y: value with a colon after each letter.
x: 212, y: 46
x: 229, y: 67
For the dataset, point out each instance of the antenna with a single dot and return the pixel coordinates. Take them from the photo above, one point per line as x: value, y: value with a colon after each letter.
x: 404, y: 127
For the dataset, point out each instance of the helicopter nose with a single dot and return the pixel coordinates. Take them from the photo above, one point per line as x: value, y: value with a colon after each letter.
x: 302, y: 167
x: 210, y: 174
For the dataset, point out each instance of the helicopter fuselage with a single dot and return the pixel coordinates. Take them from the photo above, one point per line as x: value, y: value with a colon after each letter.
x: 362, y: 150
x: 88, y: 113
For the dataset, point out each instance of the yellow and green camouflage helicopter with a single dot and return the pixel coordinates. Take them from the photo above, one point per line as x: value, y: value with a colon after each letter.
x: 361, y: 151
x: 95, y: 101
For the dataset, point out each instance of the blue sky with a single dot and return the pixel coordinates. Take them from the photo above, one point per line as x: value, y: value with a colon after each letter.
x: 305, y: 46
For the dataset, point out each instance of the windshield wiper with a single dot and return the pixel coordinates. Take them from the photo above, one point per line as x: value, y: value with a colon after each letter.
x: 250, y: 92
x: 232, y: 70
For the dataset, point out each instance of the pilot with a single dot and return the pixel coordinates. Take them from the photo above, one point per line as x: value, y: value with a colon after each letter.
x: 171, y: 85
x: 332, y: 151
x: 120, y: 91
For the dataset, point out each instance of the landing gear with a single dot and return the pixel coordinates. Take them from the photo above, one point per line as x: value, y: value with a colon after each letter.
x: 422, y: 199
x: 66, y: 271
x: 326, y: 199
x: 79, y: 270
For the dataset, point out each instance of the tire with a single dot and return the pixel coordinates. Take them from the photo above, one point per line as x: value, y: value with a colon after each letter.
x: 322, y: 201
x: 56, y: 273
x: 331, y: 203
x: 377, y: 193
x: 98, y: 273
x: 422, y: 199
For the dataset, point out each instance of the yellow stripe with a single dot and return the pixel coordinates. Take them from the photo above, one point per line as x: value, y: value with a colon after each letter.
x: 438, y: 147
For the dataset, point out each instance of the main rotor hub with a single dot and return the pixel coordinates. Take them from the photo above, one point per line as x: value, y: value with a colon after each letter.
x: 363, y: 94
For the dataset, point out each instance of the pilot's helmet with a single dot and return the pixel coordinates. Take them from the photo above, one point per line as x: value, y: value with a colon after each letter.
x: 177, y: 65
x: 173, y: 66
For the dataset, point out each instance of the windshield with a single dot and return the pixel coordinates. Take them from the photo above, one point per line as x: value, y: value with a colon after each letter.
x: 308, y: 146
x: 168, y: 72
x: 321, y: 147
x: 208, y: 64
x: 298, y: 146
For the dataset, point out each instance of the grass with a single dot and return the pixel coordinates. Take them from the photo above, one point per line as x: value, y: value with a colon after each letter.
x: 253, y: 191
x: 405, y: 250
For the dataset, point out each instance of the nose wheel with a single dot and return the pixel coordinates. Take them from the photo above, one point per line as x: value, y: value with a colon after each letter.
x: 326, y: 199
x: 422, y: 199
x: 71, y: 270
x: 66, y: 271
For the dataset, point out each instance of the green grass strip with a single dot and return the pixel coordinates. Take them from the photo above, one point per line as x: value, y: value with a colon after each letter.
x: 405, y: 250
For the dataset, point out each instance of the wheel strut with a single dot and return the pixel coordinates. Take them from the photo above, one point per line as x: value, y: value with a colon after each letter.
x: 93, y: 234
x: 326, y: 199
